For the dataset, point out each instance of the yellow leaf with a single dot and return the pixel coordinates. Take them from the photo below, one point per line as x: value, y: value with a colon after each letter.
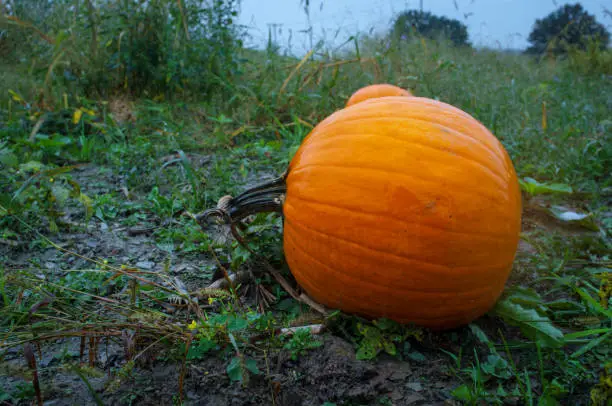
x: 76, y: 117
x: 15, y: 96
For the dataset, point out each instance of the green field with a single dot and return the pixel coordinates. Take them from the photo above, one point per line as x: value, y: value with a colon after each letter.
x: 105, y: 278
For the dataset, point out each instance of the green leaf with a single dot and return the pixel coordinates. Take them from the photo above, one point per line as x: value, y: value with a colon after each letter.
x: 480, y: 334
x: 462, y: 393
x: 416, y: 356
x: 592, y: 344
x: 60, y: 193
x: 87, y: 204
x: 533, y: 187
x: 234, y: 370
x: 389, y: 348
x: 31, y: 166
x: 547, y: 400
x: 586, y: 333
x: 236, y: 323
x: 497, y: 366
x: 594, y: 303
x: 8, y: 158
x: 366, y: 351
x: 199, y: 348
x: 534, y: 325
x: 251, y: 365
x: 385, y: 324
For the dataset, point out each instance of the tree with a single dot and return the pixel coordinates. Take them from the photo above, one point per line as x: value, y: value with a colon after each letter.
x: 423, y: 23
x: 567, y: 27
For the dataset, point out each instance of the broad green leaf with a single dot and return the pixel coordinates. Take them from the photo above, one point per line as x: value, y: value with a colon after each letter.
x: 497, y: 366
x: 234, y: 369
x: 534, y: 325
x: 367, y: 350
x: 251, y: 365
x: 533, y: 187
x: 236, y: 323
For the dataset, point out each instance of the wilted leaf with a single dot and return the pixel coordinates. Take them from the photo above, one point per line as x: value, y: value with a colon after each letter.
x: 76, y: 116
x: 16, y: 96
x: 87, y: 204
x: 569, y: 216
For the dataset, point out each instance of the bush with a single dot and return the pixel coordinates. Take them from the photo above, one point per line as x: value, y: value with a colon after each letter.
x: 569, y: 27
x: 592, y: 61
x: 156, y: 48
x: 425, y: 24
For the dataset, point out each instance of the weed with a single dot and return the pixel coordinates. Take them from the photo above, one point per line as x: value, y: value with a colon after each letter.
x: 300, y: 342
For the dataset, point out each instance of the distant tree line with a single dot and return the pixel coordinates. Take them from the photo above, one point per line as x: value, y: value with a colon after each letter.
x: 568, y: 27
x: 424, y: 24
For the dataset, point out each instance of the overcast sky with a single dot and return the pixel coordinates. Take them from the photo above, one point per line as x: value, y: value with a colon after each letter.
x: 493, y: 23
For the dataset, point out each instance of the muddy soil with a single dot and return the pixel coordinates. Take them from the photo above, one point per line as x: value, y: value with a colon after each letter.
x: 330, y: 373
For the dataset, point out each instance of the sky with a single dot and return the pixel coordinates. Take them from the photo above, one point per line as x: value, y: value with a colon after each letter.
x: 491, y: 23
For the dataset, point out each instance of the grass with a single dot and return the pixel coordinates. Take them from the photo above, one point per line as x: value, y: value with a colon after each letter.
x: 551, y: 343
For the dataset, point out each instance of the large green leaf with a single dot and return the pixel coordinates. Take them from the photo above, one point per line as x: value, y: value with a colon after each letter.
x: 532, y: 323
x: 533, y: 187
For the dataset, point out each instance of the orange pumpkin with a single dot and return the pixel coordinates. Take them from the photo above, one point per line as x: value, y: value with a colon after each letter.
x: 398, y: 207
x: 375, y: 91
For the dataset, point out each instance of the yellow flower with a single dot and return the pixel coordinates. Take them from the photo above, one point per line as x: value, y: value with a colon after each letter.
x: 193, y: 325
x: 211, y: 300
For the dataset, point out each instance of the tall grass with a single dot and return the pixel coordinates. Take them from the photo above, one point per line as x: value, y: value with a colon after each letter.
x: 96, y: 48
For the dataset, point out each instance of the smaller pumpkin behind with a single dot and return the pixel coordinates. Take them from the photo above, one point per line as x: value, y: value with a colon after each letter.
x: 375, y: 91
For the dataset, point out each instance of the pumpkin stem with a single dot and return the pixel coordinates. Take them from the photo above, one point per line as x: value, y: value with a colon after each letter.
x: 267, y: 197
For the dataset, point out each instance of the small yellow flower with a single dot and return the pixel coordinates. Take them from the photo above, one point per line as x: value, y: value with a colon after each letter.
x: 211, y: 300
x: 193, y: 325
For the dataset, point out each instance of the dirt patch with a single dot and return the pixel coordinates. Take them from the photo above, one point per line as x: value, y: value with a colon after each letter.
x: 330, y: 373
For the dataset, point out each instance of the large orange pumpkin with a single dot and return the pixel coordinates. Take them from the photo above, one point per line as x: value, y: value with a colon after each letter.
x: 375, y: 91
x: 398, y: 207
